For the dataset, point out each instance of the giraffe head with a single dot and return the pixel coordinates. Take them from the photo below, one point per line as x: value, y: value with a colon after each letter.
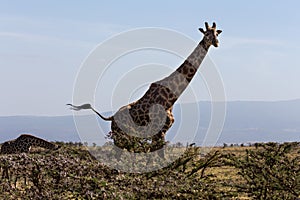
x: 211, y: 34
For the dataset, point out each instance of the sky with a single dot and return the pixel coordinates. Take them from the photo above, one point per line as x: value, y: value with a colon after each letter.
x: 44, y: 43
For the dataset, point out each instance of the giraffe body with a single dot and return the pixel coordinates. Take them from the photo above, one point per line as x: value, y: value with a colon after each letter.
x: 141, y: 126
x: 23, y: 144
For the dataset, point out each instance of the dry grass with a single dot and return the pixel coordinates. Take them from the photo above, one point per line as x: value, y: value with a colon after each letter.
x: 72, y: 173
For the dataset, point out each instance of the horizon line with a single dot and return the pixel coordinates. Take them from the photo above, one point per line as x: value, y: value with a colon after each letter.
x: 204, y: 101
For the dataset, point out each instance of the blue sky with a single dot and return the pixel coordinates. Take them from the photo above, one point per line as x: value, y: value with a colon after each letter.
x: 44, y: 43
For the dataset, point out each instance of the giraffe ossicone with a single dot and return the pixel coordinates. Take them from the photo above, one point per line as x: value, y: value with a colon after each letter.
x: 141, y: 126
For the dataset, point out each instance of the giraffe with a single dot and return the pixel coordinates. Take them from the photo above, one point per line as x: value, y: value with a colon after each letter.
x: 23, y: 144
x: 141, y: 126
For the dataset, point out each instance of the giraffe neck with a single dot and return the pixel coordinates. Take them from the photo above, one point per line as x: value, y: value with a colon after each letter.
x: 189, y: 67
x: 177, y: 82
x: 37, y: 142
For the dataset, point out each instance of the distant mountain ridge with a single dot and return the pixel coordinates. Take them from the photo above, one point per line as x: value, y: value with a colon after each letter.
x: 246, y: 121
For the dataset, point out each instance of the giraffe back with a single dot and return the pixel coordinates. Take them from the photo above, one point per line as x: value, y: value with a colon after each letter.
x: 23, y: 144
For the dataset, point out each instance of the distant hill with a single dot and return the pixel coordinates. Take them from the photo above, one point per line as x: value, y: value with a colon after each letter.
x: 246, y: 121
x: 262, y: 121
x: 60, y: 128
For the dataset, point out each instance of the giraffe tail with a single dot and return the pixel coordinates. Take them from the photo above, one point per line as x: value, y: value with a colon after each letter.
x: 88, y: 106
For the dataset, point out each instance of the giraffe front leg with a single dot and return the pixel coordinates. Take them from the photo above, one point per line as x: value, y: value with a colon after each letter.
x: 159, y: 140
x: 158, y: 143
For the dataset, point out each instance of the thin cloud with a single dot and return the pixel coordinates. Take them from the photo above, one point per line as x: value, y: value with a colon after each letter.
x: 233, y: 42
x: 72, y: 33
x: 45, y: 39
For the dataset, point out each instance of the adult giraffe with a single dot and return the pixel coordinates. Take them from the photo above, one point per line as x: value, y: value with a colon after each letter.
x: 141, y: 126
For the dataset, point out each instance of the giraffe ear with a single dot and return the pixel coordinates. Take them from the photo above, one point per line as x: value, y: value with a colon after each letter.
x: 201, y: 30
x: 219, y: 32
